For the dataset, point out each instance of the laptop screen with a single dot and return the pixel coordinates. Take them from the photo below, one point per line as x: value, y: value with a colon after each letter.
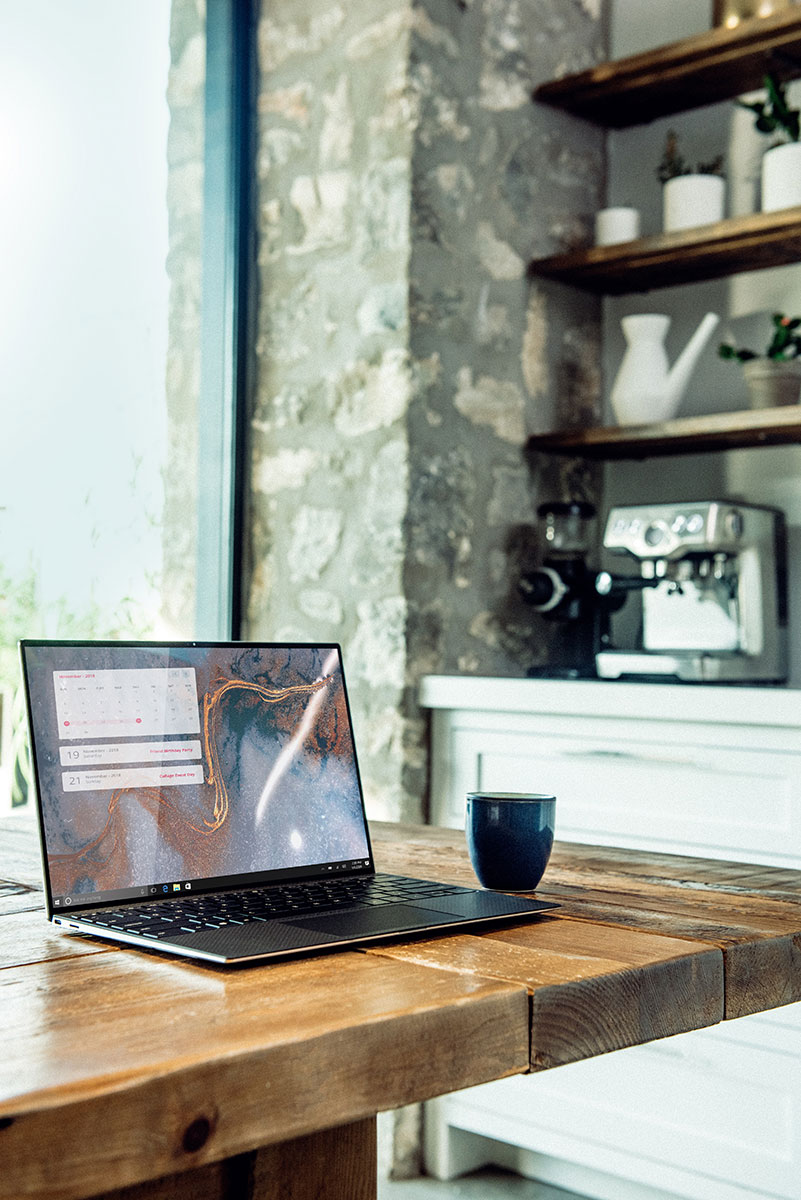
x: 173, y: 768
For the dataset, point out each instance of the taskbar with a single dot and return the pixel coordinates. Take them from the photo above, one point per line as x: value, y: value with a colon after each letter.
x: 163, y: 891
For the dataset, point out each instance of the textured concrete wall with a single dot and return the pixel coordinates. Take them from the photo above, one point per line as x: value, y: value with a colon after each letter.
x: 405, y: 178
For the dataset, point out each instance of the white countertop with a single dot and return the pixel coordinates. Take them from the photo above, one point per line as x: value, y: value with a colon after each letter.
x: 590, y: 697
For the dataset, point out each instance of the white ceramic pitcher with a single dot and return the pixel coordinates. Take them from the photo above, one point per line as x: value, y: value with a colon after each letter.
x: 646, y: 388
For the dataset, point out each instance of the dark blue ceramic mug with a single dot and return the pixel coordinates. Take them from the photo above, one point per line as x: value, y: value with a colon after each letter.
x: 509, y: 836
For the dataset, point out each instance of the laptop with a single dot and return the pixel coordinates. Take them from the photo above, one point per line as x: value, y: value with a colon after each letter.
x: 203, y: 799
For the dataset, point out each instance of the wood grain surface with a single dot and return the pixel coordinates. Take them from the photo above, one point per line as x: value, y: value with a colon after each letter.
x: 179, y: 1065
x: 703, y: 252
x: 334, y: 1164
x: 593, y: 988
x: 130, y: 1075
x: 682, y: 435
x: 752, y: 913
x: 715, y: 65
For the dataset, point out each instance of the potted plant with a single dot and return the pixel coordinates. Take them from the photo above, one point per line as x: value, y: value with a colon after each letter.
x: 690, y: 195
x: 781, y: 163
x: 773, y: 378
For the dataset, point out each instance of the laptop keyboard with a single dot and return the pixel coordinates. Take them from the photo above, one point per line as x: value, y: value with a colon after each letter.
x: 165, y: 918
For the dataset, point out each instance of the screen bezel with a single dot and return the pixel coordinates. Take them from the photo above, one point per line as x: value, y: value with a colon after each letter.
x: 253, y: 879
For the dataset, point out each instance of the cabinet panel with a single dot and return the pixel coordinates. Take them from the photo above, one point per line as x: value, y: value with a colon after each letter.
x: 701, y: 1115
x: 712, y: 1115
x: 675, y: 797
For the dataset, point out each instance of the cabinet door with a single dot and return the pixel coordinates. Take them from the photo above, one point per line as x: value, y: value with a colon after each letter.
x: 713, y: 1114
x: 709, y: 1115
x: 670, y: 795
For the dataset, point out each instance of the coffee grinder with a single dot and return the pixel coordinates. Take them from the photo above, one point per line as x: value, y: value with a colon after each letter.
x: 562, y: 590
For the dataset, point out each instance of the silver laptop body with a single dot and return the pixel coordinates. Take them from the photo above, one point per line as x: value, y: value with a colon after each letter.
x: 203, y: 799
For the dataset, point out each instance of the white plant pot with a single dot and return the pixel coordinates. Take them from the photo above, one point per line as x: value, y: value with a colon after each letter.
x: 781, y: 177
x: 691, y: 200
x: 772, y: 383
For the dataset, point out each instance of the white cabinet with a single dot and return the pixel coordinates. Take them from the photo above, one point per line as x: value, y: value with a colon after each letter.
x: 712, y: 771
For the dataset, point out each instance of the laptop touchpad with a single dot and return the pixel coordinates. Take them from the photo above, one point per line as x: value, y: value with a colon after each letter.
x: 388, y: 918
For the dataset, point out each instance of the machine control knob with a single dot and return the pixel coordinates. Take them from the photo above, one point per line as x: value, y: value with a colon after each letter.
x: 604, y: 583
x: 734, y: 524
x: 655, y: 534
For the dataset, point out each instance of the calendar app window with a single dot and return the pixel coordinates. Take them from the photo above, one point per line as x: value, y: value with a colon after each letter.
x: 128, y: 702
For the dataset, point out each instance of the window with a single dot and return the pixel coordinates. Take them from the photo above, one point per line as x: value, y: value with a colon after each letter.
x: 120, y: 201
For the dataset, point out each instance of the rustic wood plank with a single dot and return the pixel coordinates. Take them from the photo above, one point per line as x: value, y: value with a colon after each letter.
x: 594, y: 988
x: 677, y: 870
x: 16, y: 898
x: 712, y: 894
x: 684, y: 435
x: 713, y: 251
x: 181, y: 1065
x: 427, y: 851
x: 329, y: 1165
x: 761, y: 942
x: 756, y: 924
x: 439, y: 852
x: 19, y: 850
x: 758, y: 928
x: 184, y: 1066
x: 708, y: 67
x: 28, y: 937
x: 230, y: 1179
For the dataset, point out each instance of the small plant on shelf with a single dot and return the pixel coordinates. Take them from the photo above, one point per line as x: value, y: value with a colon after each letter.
x: 673, y: 164
x: 774, y: 116
x: 784, y: 345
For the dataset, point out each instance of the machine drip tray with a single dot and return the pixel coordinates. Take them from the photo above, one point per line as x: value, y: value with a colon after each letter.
x: 671, y: 668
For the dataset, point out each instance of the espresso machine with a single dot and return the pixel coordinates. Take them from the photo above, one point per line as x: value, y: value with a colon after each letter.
x: 712, y: 585
x: 562, y: 590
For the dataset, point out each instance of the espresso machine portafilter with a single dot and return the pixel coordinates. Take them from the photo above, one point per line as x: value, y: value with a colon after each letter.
x: 712, y: 585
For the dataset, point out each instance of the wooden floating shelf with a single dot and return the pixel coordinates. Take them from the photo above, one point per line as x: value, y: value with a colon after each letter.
x: 711, y: 67
x: 706, y: 69
x: 708, y: 252
x: 686, y: 435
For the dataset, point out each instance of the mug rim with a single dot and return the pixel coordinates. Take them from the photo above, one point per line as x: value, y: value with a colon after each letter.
x: 515, y: 797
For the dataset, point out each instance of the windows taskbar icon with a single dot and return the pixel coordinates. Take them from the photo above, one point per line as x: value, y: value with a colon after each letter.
x: 154, y: 889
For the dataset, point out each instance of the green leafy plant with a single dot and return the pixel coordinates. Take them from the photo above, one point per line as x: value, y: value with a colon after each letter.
x: 22, y: 614
x: 785, y: 344
x: 774, y: 114
x: 673, y: 164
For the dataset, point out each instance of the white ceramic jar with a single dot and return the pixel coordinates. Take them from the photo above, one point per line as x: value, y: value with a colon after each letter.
x: 614, y: 225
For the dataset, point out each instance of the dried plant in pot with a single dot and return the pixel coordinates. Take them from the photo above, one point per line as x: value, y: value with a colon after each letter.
x: 781, y: 162
x: 773, y: 379
x: 691, y: 196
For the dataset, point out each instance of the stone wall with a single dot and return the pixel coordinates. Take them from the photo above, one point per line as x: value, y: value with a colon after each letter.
x: 405, y: 178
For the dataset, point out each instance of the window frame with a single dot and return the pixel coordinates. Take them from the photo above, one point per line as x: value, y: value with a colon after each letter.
x: 227, y: 312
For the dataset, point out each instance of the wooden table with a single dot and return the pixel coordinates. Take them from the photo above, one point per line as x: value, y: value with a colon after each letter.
x: 120, y: 1067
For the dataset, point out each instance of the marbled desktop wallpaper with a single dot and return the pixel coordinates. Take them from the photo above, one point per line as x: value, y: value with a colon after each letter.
x: 274, y: 752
